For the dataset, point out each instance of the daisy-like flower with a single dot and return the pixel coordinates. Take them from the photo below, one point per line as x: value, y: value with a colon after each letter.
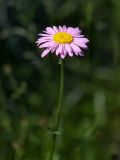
x: 62, y: 41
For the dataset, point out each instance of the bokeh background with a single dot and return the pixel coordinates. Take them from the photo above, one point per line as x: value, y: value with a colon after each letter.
x: 29, y: 85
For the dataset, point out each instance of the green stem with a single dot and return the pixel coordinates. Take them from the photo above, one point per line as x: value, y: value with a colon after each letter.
x: 59, y: 107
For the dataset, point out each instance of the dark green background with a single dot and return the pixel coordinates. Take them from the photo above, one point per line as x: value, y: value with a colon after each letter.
x: 29, y: 85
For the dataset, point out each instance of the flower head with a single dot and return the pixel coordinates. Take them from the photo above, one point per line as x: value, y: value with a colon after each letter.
x: 63, y: 41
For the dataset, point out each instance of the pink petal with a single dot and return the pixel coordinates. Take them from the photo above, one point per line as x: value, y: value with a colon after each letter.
x: 76, y: 31
x: 70, y: 54
x: 55, y: 29
x: 54, y: 47
x: 76, y: 53
x: 64, y: 28
x: 64, y: 52
x: 79, y: 36
x: 45, y: 35
x: 75, y: 47
x: 59, y: 49
x: 83, y: 46
x: 81, y: 40
x: 47, y: 44
x: 45, y: 38
x: 80, y: 43
x: 41, y: 41
x: 69, y: 29
x: 60, y: 29
x: 63, y: 56
x: 68, y: 49
x: 45, y: 52
x: 50, y: 30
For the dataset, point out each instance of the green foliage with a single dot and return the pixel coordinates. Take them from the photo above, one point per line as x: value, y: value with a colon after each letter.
x: 90, y: 128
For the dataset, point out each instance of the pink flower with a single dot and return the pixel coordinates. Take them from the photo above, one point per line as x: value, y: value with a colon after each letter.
x: 62, y: 41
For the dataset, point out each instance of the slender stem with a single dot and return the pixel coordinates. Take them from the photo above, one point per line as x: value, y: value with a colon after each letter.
x: 58, y: 115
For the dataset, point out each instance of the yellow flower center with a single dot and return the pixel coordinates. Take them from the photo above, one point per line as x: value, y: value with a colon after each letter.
x: 63, y: 37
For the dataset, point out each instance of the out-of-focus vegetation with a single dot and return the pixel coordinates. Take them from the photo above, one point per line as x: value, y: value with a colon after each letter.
x: 90, y: 127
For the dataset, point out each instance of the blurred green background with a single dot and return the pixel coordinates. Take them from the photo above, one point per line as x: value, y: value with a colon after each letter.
x: 90, y: 126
